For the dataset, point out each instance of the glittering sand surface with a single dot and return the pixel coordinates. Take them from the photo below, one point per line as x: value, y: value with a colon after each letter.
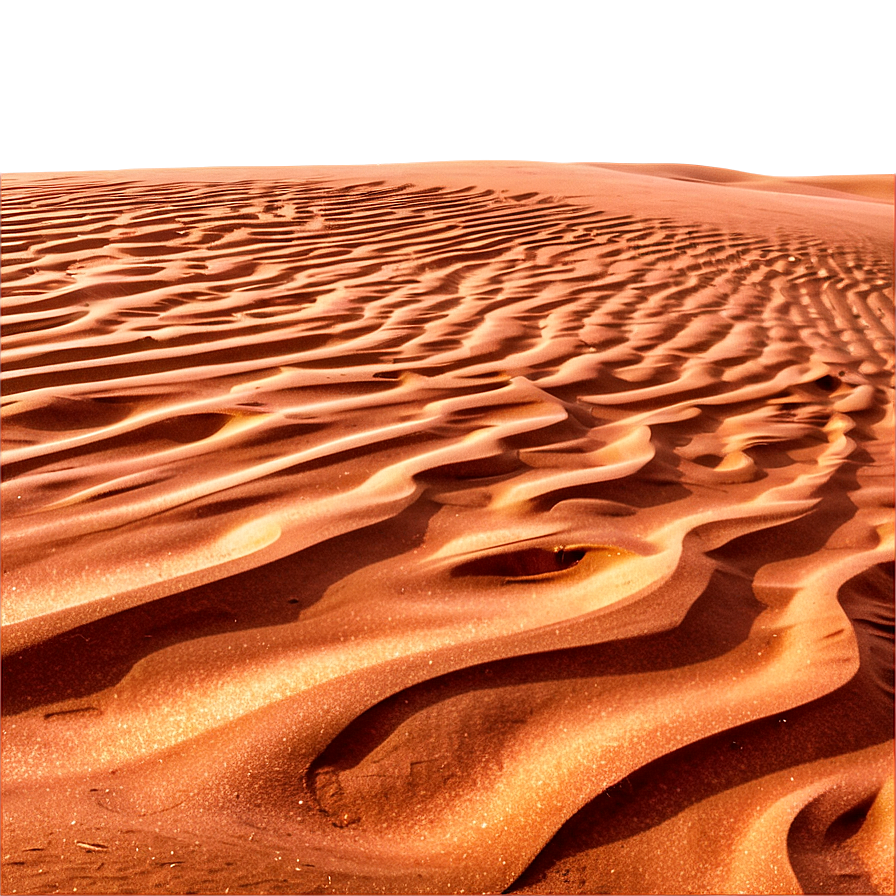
x: 466, y: 527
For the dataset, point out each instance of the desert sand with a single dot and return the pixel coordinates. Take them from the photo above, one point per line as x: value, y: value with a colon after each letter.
x: 447, y: 528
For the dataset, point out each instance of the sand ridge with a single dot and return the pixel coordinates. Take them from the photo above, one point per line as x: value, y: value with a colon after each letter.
x: 432, y: 522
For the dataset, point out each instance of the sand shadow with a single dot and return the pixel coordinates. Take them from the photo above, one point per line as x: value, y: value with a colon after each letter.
x: 102, y: 652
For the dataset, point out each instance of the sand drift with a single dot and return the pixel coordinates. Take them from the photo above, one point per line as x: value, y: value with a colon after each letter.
x: 451, y: 528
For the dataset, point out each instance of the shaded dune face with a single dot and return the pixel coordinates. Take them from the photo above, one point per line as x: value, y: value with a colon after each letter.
x: 474, y: 529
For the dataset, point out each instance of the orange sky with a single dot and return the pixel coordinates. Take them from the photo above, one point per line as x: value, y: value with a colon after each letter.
x: 780, y: 90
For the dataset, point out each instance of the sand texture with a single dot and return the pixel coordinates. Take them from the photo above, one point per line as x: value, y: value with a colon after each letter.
x: 447, y: 528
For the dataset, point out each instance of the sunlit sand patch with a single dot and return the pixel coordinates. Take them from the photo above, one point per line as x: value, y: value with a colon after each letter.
x: 448, y: 528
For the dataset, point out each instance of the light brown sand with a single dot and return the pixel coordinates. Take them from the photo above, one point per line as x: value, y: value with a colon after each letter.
x: 447, y: 528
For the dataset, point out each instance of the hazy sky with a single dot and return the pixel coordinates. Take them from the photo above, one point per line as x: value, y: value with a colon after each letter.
x: 784, y: 87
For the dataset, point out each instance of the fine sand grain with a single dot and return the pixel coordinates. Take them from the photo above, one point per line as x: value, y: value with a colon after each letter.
x: 448, y: 528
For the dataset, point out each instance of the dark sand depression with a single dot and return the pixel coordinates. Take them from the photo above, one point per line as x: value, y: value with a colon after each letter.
x: 447, y: 528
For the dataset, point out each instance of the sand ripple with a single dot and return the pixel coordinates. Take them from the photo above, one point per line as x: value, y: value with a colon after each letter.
x: 448, y: 528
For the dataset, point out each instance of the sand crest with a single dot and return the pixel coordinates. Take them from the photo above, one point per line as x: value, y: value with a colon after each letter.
x: 448, y: 528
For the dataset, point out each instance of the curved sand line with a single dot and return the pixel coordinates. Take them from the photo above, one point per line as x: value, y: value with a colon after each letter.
x: 447, y: 528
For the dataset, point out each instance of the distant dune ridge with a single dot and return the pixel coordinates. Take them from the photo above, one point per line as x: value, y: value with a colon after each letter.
x: 447, y: 528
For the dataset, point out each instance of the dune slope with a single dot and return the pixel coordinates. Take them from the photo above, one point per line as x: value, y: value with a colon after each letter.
x: 467, y: 527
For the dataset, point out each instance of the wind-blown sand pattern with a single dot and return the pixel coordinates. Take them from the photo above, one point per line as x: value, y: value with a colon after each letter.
x: 447, y: 528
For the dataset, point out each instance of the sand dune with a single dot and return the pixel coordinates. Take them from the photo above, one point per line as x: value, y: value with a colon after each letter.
x: 449, y: 528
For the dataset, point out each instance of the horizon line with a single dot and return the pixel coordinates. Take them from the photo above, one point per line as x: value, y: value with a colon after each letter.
x: 368, y: 164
